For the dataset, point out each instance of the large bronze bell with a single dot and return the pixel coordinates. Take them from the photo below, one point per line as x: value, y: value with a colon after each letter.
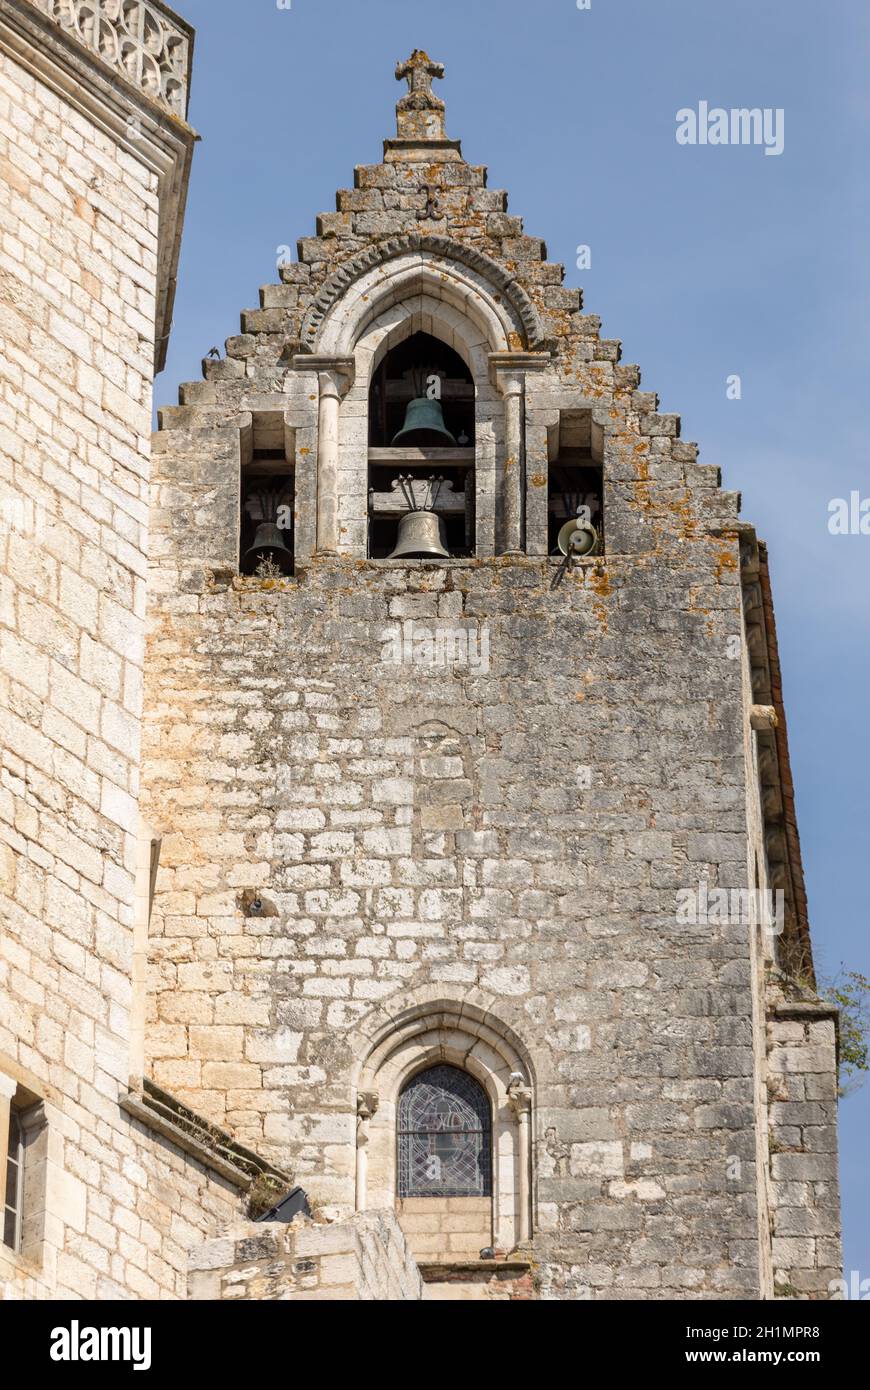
x: 424, y: 425
x: 421, y: 537
x: 269, y: 540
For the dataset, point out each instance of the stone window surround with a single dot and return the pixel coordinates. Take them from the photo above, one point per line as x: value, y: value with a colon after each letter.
x: 8, y: 1088
x: 393, y: 325
x: 467, y: 1036
x: 33, y: 1116
x: 499, y: 284
x: 148, y: 842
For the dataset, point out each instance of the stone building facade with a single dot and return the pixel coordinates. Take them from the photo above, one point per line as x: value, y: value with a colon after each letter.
x: 94, y: 155
x: 460, y: 822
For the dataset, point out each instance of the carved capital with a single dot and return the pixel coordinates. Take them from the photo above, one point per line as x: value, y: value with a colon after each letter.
x: 519, y: 1095
x: 508, y: 370
x: 367, y: 1103
x: 366, y: 1106
x: 335, y: 375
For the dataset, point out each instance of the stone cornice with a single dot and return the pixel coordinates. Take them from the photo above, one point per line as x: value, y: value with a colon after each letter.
x: 507, y: 370
x: 144, y: 128
x: 782, y: 842
x: 212, y: 1147
x: 447, y: 248
x: 811, y: 1010
x: 340, y: 366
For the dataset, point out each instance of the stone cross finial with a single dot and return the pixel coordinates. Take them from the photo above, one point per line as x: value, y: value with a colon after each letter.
x: 419, y: 70
x: 420, y: 114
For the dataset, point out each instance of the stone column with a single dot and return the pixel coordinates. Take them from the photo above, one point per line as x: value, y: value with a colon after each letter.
x: 366, y: 1105
x: 327, y: 463
x: 508, y: 371
x: 513, y: 483
x: 335, y: 380
x: 335, y: 376
x: 520, y: 1101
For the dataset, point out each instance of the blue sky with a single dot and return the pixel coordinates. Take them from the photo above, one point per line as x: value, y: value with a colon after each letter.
x: 706, y: 262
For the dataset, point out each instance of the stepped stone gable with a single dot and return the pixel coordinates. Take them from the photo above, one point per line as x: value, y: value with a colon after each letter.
x: 370, y: 865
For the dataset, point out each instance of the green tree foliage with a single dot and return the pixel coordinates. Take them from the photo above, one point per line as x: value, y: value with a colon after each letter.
x: 850, y: 991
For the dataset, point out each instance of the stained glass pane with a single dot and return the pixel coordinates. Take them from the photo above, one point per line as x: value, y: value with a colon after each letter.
x: 445, y: 1147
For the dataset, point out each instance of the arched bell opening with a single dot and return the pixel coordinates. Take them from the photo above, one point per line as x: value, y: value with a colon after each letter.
x: 421, y: 368
x: 375, y: 302
x: 421, y: 452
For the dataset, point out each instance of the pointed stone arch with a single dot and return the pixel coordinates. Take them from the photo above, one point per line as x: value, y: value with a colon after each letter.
x: 444, y: 260
x: 381, y: 315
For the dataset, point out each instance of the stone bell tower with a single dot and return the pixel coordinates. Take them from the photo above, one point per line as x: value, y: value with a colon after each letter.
x: 480, y: 895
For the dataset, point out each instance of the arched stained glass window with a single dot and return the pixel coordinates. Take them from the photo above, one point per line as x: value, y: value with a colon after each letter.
x: 445, y: 1136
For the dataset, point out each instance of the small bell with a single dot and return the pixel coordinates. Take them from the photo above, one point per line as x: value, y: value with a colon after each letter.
x: 424, y: 425
x: 421, y: 537
x: 269, y: 540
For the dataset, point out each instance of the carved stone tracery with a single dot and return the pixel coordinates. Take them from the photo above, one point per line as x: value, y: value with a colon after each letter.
x: 138, y: 39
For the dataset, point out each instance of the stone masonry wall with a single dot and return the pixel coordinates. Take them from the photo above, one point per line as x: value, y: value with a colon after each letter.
x: 77, y: 287
x: 364, y: 1258
x: 405, y: 830
x: 456, y: 1228
x: 804, y: 1185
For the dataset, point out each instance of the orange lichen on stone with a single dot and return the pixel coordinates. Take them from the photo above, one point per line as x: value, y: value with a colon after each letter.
x: 693, y: 605
x: 725, y: 560
x: 599, y: 580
